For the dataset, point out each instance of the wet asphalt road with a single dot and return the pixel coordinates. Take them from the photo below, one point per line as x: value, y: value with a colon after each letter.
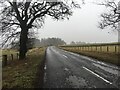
x: 65, y: 69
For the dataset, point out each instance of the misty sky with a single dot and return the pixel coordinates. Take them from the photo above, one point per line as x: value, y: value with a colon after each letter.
x: 82, y: 26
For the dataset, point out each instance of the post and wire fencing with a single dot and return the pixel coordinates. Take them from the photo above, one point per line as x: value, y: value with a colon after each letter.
x: 106, y: 48
x: 9, y: 57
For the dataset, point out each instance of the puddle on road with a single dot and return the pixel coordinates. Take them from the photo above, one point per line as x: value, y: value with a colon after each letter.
x: 76, y: 82
x: 45, y: 74
x: 110, y: 70
x: 66, y: 69
x: 45, y: 67
x: 45, y: 77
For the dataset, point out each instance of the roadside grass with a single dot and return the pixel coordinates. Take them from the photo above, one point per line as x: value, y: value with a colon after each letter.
x: 112, y: 58
x: 24, y: 73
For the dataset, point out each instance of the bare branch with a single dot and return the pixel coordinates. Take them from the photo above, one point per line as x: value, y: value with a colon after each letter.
x: 26, y: 15
x: 111, y: 18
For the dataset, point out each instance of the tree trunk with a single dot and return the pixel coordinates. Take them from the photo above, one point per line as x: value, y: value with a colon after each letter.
x: 23, y: 42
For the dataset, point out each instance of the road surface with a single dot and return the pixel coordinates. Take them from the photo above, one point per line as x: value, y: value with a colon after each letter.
x: 65, y: 69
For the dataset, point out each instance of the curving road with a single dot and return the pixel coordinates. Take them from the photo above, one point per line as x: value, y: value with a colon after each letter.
x: 65, y: 69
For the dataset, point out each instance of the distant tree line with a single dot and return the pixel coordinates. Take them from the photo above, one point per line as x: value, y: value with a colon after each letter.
x: 52, y: 41
x: 34, y: 42
x: 77, y: 43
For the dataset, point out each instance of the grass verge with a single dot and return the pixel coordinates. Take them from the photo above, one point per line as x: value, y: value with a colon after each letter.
x: 112, y: 58
x: 25, y: 73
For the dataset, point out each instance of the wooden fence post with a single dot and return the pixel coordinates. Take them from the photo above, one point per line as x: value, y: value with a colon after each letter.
x: 100, y: 48
x: 12, y: 56
x: 17, y: 55
x: 4, y: 60
x: 107, y: 49
x: 115, y: 49
x: 96, y: 48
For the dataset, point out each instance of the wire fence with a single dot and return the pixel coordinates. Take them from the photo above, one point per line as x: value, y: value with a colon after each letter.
x: 107, y: 48
x: 9, y: 57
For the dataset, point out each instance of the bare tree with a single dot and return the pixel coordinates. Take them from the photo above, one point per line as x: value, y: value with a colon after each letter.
x: 18, y: 17
x: 112, y: 16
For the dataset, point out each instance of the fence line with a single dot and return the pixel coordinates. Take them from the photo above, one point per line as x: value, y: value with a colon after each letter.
x: 108, y: 48
x: 5, y: 58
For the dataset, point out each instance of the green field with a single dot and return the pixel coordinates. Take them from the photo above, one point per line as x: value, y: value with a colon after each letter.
x: 8, y: 51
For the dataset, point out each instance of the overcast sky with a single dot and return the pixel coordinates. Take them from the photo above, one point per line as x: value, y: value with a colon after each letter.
x: 82, y: 26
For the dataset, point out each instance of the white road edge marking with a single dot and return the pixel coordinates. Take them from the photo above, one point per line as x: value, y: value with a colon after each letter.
x: 45, y: 67
x: 97, y: 75
x: 65, y: 56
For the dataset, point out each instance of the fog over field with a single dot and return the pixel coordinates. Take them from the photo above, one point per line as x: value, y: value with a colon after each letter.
x: 82, y: 26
